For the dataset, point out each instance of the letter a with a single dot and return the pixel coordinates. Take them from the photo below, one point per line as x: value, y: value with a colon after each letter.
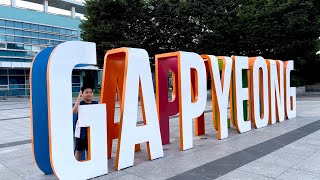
x: 137, y: 72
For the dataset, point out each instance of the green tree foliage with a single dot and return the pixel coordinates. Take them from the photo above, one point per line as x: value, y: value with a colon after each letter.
x: 275, y: 29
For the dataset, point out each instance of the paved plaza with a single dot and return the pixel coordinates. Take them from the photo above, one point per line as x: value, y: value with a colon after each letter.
x: 288, y: 150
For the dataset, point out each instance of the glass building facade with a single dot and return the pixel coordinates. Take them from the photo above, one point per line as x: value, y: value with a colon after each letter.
x: 23, y: 33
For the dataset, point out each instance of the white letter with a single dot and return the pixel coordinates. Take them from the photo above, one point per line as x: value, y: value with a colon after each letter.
x: 260, y: 119
x: 220, y: 91
x: 63, y: 59
x: 188, y: 109
x: 241, y: 93
x: 276, y: 91
x: 137, y: 71
x: 290, y: 93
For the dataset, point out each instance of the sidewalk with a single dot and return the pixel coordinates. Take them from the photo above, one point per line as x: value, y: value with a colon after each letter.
x: 287, y: 150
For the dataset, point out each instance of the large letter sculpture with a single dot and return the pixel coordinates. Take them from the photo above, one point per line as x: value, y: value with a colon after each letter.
x: 137, y: 80
x: 188, y: 108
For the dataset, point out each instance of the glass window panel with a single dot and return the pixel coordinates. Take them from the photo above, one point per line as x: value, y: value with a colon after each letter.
x: 3, y: 80
x: 9, y: 31
x: 62, y: 38
x: 75, y: 39
x: 55, y: 37
x: 11, y: 46
x: 18, y: 32
x: 75, y: 89
x: 43, y: 41
x: 16, y: 72
x: 17, y: 86
x: 28, y: 47
x: 48, y: 28
x: 35, y: 48
x: 11, y: 53
x: 49, y: 36
x: 18, y: 24
x: 68, y: 32
x: 27, y: 40
x: 20, y: 46
x: 35, y: 34
x: 3, y: 59
x: 55, y: 30
x: 35, y: 41
x: 9, y: 24
x: 10, y: 38
x: 3, y: 38
x: 26, y: 25
x: 3, y: 72
x: 27, y: 33
x: 19, y: 39
x: 34, y: 26
x: 16, y: 92
x: 42, y: 28
x: 2, y: 23
x: 42, y: 35
x: 3, y: 53
x: 3, y: 45
x: 62, y: 31
x: 75, y: 33
x: 75, y: 79
x: 2, y: 30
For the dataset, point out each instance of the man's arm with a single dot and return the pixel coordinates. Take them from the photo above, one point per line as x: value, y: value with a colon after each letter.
x: 76, y: 105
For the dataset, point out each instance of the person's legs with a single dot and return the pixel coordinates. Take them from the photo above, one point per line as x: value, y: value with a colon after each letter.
x: 78, y: 155
x: 81, y: 145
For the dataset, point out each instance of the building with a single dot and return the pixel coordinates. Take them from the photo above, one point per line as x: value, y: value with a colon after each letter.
x: 25, y: 32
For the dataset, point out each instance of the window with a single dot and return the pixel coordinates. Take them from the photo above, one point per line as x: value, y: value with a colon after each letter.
x: 16, y: 79
x: 62, y: 31
x: 55, y: 37
x: 27, y: 33
x: 3, y: 53
x: 42, y: 35
x: 34, y: 34
x: 62, y: 38
x: 36, y: 48
x: 20, y: 46
x: 68, y: 32
x: 9, y: 24
x: 10, y: 38
x: 18, y: 32
x: 34, y: 27
x: 28, y: 47
x: 3, y: 38
x: 3, y: 45
x: 9, y: 31
x: 43, y: 41
x: 56, y: 30
x: 26, y: 25
x: 11, y: 46
x: 27, y: 40
x: 74, y: 39
x: 48, y: 28
x: 35, y: 41
x: 68, y: 38
x: 49, y: 36
x: 2, y: 23
x: 42, y: 28
x: 3, y: 59
x: 3, y: 79
x: 2, y: 30
x: 19, y: 39
x: 18, y: 24
x: 75, y: 33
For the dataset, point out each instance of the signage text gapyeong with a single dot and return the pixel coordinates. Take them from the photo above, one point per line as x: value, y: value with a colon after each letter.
x: 257, y: 90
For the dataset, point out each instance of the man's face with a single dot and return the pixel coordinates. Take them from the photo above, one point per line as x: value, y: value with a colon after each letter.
x: 87, y: 94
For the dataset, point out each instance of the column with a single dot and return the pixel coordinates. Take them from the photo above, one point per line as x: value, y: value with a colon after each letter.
x: 45, y: 6
x: 73, y: 11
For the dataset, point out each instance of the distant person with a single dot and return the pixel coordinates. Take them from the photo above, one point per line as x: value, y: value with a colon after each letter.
x: 81, y: 138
